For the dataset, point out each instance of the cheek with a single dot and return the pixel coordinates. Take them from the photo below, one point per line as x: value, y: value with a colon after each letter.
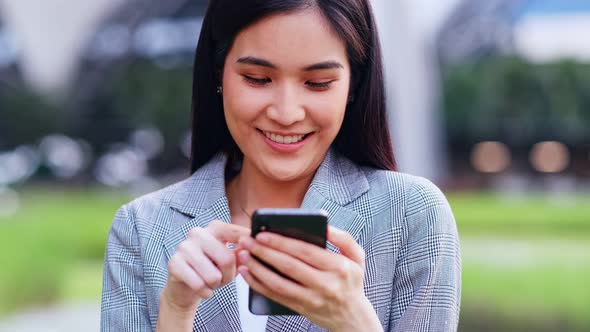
x: 240, y: 103
x: 328, y: 112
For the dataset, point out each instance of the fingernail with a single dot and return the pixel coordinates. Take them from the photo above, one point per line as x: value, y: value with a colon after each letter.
x: 264, y: 238
x: 244, y: 256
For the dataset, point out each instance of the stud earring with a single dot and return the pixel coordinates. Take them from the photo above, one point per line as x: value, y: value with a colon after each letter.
x: 219, y: 90
x: 350, y: 99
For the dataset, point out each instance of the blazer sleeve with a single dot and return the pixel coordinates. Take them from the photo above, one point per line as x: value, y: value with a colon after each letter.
x: 427, y: 285
x: 124, y: 306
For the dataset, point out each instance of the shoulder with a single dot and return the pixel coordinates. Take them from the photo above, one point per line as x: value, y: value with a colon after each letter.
x: 417, y: 208
x: 146, y: 210
x: 187, y: 196
x: 416, y: 189
x: 412, y: 194
x: 154, y: 200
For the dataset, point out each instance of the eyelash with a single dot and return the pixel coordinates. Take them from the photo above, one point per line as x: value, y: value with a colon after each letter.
x: 263, y: 81
x: 256, y: 81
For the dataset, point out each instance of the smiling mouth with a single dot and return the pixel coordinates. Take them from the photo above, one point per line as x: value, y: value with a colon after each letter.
x: 284, y: 139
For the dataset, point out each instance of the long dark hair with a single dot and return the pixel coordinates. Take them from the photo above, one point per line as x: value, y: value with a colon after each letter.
x: 364, y: 135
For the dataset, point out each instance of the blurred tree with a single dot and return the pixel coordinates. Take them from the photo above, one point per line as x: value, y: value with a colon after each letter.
x: 508, y: 99
x: 140, y: 94
x: 26, y: 117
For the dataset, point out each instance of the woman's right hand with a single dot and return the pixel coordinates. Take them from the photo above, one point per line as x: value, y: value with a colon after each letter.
x: 202, y: 263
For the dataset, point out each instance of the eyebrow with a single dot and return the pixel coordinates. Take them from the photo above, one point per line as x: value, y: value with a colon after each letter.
x: 324, y: 65
x: 249, y: 60
x: 265, y: 63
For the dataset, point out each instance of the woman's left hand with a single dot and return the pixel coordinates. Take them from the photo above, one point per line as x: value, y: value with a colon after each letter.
x: 327, y: 288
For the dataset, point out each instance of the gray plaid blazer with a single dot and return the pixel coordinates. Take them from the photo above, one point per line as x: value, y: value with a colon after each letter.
x: 403, y: 222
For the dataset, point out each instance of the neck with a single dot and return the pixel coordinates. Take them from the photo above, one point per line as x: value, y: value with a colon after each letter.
x: 251, y: 190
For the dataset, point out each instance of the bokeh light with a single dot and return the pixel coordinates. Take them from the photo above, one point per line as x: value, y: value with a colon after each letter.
x: 65, y: 156
x: 112, y: 42
x: 122, y: 166
x: 490, y: 157
x: 149, y: 140
x: 18, y: 165
x: 8, y: 48
x: 549, y: 157
x: 162, y: 37
x: 185, y: 145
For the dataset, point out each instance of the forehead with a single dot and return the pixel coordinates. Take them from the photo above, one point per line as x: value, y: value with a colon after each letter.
x: 293, y: 39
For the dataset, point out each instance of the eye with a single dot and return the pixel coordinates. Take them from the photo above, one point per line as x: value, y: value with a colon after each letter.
x: 319, y: 85
x: 255, y: 80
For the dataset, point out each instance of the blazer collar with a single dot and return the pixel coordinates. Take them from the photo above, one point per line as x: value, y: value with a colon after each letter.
x: 337, y: 179
x: 202, y: 189
x: 202, y: 198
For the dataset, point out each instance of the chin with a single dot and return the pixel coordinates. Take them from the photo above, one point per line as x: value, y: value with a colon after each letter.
x: 284, y: 175
x: 285, y: 172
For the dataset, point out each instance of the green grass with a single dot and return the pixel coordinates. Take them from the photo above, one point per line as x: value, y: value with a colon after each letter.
x: 561, y: 291
x: 82, y: 282
x: 44, y: 245
x: 535, y: 269
x: 528, y: 279
x: 521, y: 215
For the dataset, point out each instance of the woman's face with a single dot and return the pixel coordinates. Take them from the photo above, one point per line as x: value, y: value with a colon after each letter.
x: 285, y: 89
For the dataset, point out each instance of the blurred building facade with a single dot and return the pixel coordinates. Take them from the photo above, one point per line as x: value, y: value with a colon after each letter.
x: 121, y: 74
x: 515, y: 90
x: 120, y: 31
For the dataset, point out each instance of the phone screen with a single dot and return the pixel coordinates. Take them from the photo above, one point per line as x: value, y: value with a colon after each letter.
x: 302, y: 224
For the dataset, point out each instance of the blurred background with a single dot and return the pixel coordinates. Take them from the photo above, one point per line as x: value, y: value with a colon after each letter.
x: 489, y: 98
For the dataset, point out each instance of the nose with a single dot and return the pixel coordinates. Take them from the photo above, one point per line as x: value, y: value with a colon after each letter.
x: 286, y: 108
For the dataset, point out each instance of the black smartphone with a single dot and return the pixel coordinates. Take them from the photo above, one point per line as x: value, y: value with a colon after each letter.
x: 310, y: 225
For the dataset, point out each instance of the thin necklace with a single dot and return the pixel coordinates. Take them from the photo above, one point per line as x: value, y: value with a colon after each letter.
x: 245, y: 199
x: 245, y: 212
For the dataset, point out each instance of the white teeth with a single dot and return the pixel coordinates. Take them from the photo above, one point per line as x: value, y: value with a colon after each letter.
x: 283, y: 139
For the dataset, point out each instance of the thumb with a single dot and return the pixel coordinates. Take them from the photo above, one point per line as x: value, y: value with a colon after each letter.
x: 347, y: 245
x: 227, y: 232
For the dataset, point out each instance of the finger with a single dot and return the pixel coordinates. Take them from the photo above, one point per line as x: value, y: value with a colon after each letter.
x: 227, y: 232
x: 263, y: 290
x: 182, y: 272
x: 223, y: 258
x: 347, y: 245
x: 284, y: 263
x: 194, y: 256
x: 272, y: 285
x: 317, y: 257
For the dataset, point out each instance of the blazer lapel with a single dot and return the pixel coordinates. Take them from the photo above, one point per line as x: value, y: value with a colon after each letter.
x: 336, y: 186
x: 197, y: 201
x: 337, y: 183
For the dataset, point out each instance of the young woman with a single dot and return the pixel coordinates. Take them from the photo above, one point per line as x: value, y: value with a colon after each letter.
x: 288, y: 111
